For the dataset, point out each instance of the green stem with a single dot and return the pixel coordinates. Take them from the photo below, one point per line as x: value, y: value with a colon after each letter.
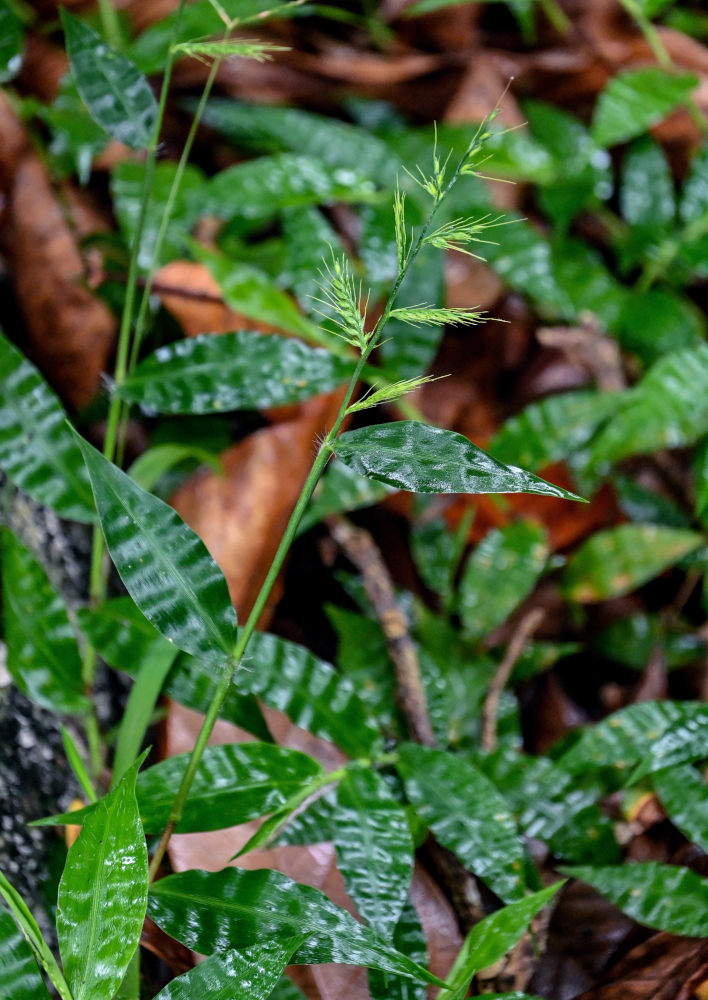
x: 326, y: 449
x: 110, y: 23
x: 167, y: 214
x: 97, y: 573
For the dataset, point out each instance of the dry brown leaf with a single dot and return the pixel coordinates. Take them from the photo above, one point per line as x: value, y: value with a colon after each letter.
x: 663, y: 968
x: 190, y: 294
x: 242, y: 514
x: 69, y: 331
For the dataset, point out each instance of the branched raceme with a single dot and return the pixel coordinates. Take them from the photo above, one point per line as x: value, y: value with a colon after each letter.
x: 176, y: 631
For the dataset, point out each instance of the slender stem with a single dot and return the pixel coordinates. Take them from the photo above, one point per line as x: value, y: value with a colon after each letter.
x: 167, y: 214
x: 110, y: 23
x: 323, y: 455
x: 97, y: 573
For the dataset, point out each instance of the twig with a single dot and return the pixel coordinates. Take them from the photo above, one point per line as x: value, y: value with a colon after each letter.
x: 363, y: 552
x: 527, y: 626
x: 357, y: 544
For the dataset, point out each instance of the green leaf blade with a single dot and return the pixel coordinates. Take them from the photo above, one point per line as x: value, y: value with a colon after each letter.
x: 492, y: 938
x: 235, y: 908
x: 43, y: 658
x: 234, y: 783
x: 103, y: 895
x: 251, y: 974
x: 19, y: 975
x: 11, y: 42
x: 500, y: 574
x: 467, y: 815
x: 116, y: 94
x: 627, y: 737
x: 37, y: 449
x: 619, y: 560
x: 164, y: 565
x: 232, y: 371
x: 684, y: 796
x: 635, y: 100
x: 288, y: 677
x: 423, y: 459
x: 374, y: 849
x: 664, y: 897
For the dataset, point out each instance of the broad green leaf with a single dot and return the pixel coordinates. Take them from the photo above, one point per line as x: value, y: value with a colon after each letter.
x: 254, y: 294
x: 233, y: 783
x: 38, y: 452
x: 363, y: 656
x: 409, y: 939
x: 553, y: 429
x: 647, y: 196
x: 103, y: 894
x: 631, y: 640
x: 555, y: 807
x: 125, y: 639
x: 250, y: 974
x: 437, y: 550
x: 25, y: 921
x: 213, y: 911
x: 19, y: 975
x: 583, y: 170
x: 258, y: 189
x: 681, y: 744
x: 684, y: 796
x: 341, y: 490
x: 309, y: 691
x: 127, y: 180
x: 501, y: 572
x: 626, y: 738
x: 522, y: 257
x: 665, y: 897
x: 656, y: 322
x: 42, y: 655
x: 587, y: 284
x: 467, y: 815
x: 165, y: 567
x: 374, y: 848
x: 116, y: 94
x: 619, y: 560
x: 232, y: 371
x: 635, y: 100
x: 338, y: 144
x: 646, y: 506
x: 694, y: 194
x: 11, y: 42
x: 667, y: 409
x: 491, y: 939
x: 309, y: 239
x: 424, y: 459
x: 75, y: 137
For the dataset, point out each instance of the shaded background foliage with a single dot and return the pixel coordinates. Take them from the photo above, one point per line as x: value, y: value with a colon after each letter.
x: 597, y: 381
